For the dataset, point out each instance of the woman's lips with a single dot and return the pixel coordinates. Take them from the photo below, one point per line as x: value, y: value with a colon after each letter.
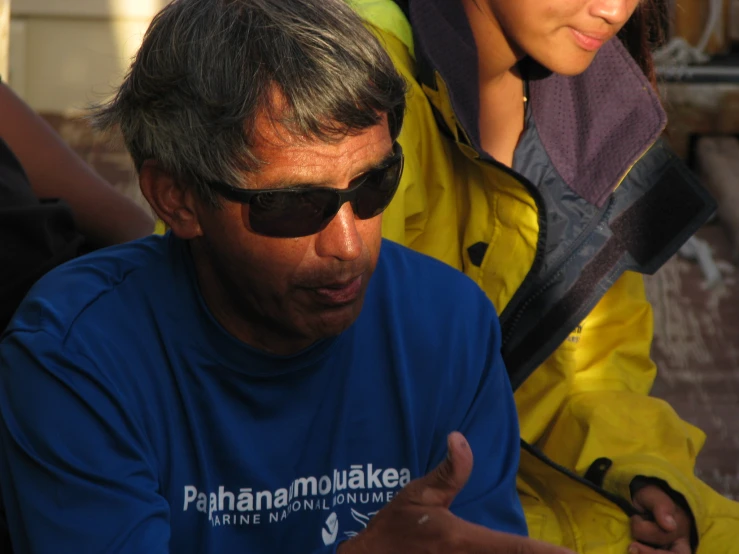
x: 589, y: 41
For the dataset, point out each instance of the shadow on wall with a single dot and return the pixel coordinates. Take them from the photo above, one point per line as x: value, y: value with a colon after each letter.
x: 66, y: 56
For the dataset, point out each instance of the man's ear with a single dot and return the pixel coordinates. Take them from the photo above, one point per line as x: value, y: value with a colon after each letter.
x: 175, y: 205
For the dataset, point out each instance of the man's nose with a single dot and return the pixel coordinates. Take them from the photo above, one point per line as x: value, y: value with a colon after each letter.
x: 340, y: 239
x: 613, y: 12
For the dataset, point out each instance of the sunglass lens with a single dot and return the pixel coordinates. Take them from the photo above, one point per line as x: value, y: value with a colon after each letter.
x: 377, y: 191
x: 287, y: 214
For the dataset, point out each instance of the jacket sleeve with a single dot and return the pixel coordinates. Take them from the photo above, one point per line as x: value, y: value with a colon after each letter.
x: 405, y: 218
x: 414, y: 217
x: 74, y: 468
x: 609, y: 415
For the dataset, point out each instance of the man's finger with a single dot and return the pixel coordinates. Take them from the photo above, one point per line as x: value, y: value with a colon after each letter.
x: 440, y: 486
x: 664, y: 515
x: 658, y: 503
x: 650, y: 532
x: 681, y: 546
x: 638, y: 548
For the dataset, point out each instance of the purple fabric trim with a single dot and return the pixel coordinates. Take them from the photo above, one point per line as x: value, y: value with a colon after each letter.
x: 444, y: 38
x: 595, y: 126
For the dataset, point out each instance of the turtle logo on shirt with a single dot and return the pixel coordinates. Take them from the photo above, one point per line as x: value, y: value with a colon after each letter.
x: 331, y: 529
x: 361, y: 518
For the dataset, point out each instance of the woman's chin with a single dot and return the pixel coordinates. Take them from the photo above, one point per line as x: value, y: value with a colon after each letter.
x: 569, y: 65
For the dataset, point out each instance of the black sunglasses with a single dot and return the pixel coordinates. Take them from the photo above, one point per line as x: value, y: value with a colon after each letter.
x: 303, y: 211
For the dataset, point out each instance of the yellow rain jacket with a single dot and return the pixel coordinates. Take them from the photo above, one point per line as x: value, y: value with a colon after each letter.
x: 559, y: 251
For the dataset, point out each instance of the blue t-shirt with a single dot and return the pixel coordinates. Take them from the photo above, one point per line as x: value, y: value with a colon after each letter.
x: 131, y: 421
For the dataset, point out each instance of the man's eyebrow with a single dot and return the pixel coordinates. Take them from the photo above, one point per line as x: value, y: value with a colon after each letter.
x: 375, y: 166
x: 299, y: 184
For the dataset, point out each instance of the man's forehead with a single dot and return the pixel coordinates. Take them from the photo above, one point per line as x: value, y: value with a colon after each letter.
x: 369, y: 142
x: 272, y: 129
x: 283, y: 151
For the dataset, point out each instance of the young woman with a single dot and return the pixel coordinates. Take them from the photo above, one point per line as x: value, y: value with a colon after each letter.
x: 534, y: 165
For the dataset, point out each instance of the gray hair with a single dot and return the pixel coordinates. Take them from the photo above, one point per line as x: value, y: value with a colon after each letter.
x: 208, y: 68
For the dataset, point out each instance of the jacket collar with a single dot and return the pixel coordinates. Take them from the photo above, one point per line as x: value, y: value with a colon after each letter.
x: 594, y: 127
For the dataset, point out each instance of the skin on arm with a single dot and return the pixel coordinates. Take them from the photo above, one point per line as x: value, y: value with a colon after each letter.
x: 103, y: 214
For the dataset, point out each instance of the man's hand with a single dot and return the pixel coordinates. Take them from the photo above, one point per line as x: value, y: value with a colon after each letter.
x: 418, y: 519
x: 670, y: 530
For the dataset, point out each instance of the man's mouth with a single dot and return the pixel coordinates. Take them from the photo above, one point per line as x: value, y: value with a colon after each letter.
x: 339, y: 293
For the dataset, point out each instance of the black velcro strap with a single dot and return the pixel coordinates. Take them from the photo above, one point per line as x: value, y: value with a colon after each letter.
x: 652, y: 223
x: 644, y: 236
x: 523, y: 359
x: 596, y: 473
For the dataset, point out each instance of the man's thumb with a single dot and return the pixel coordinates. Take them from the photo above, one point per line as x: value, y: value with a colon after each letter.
x: 441, y: 485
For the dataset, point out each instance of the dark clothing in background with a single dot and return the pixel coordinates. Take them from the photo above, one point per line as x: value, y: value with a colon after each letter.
x: 35, y: 235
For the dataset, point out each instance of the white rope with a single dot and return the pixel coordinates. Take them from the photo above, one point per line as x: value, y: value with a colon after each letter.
x: 678, y: 52
x: 699, y: 251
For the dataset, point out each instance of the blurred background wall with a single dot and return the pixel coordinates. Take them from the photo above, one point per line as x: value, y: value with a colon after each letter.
x: 4, y: 37
x: 61, y: 56
x: 65, y: 54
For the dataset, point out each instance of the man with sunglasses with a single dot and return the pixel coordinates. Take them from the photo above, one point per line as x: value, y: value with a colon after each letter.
x: 268, y: 377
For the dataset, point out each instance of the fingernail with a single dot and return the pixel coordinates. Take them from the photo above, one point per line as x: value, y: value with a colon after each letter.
x: 633, y: 550
x: 462, y: 442
x: 671, y: 522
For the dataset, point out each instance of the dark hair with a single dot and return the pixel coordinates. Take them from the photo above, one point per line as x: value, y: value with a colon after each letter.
x: 208, y: 68
x: 643, y: 32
